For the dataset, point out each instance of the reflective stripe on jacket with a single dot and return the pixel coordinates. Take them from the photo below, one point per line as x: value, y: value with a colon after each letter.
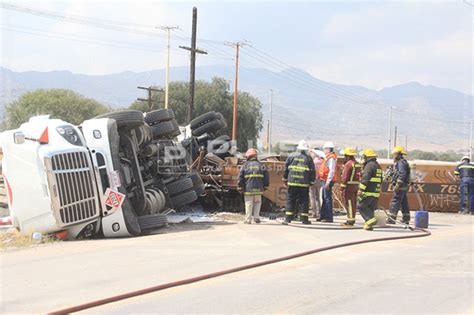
x: 324, y: 169
x: 371, y: 180
x: 351, y: 173
x: 299, y: 170
x: 465, y: 170
x: 253, y: 177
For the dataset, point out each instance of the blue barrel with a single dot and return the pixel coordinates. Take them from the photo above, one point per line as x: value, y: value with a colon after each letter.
x: 421, y: 219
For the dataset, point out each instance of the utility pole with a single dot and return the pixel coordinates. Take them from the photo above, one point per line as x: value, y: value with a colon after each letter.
x: 268, y: 136
x: 149, y: 99
x: 395, y: 137
x: 192, y: 75
x: 470, y: 140
x: 389, y: 133
x: 270, y: 124
x: 237, y: 46
x: 168, y: 29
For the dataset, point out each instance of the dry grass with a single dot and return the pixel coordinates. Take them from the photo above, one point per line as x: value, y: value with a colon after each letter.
x: 12, y: 239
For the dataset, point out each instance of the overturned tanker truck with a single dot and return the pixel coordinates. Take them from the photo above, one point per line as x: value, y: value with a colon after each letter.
x: 120, y: 174
x: 116, y: 175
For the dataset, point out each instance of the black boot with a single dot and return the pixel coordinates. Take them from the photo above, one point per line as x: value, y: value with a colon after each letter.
x: 406, y: 219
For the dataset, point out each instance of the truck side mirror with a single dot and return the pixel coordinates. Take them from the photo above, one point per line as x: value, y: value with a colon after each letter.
x: 19, y: 137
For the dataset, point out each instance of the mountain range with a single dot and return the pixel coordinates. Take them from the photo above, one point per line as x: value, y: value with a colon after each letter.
x: 304, y: 107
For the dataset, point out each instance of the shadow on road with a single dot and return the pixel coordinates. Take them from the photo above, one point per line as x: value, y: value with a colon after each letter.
x: 190, y: 226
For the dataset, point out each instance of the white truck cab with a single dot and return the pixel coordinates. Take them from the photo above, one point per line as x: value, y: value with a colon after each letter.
x: 110, y: 176
x: 49, y: 177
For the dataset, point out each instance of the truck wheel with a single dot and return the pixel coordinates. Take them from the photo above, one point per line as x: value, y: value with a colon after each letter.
x: 159, y: 115
x: 197, y: 183
x: 179, y: 185
x: 220, y: 145
x: 198, y: 121
x: 128, y: 119
x: 166, y: 129
x: 184, y: 199
x: 212, y: 126
x: 224, y: 149
x: 152, y: 221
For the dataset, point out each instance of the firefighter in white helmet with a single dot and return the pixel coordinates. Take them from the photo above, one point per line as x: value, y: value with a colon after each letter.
x: 328, y: 176
x: 299, y: 175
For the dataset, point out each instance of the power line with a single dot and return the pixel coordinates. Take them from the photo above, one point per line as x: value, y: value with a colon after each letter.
x: 78, y: 39
x: 88, y: 40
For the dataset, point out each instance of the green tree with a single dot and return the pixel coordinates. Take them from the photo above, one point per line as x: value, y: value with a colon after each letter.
x: 58, y: 103
x: 213, y: 96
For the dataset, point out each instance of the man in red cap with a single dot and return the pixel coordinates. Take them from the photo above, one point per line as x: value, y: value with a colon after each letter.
x: 253, y: 181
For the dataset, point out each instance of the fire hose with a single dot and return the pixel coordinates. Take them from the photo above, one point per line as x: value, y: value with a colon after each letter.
x: 164, y: 286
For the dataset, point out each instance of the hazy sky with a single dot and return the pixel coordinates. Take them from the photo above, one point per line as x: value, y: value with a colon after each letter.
x: 369, y: 43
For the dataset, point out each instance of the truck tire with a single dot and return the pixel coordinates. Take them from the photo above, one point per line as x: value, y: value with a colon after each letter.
x: 166, y: 129
x: 197, y: 183
x: 220, y: 116
x: 212, y: 126
x: 179, y: 186
x: 224, y: 149
x: 128, y: 119
x: 159, y: 115
x: 200, y: 120
x: 220, y: 145
x: 152, y: 221
x: 184, y: 199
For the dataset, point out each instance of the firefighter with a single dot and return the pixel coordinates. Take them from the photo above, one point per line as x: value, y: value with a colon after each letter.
x: 400, y: 174
x: 327, y: 175
x: 465, y: 172
x: 350, y: 184
x: 253, y: 181
x: 369, y: 188
x: 298, y: 176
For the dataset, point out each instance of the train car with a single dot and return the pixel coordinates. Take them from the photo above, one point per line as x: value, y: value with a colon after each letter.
x: 434, y: 188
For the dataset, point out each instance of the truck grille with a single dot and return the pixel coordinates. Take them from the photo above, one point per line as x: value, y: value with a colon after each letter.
x: 75, y: 194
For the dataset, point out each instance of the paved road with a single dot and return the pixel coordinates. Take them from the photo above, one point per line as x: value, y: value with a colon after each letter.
x: 425, y: 275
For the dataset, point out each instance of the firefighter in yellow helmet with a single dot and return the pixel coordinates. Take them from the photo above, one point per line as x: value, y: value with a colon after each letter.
x: 369, y: 188
x: 400, y: 176
x: 350, y: 184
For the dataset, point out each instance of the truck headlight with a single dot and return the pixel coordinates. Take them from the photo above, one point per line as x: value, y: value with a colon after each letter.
x: 70, y: 134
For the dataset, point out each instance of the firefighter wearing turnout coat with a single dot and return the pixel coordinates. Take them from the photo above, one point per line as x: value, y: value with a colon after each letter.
x: 253, y: 181
x: 400, y: 174
x: 298, y: 176
x: 465, y: 172
x: 350, y: 184
x: 369, y: 188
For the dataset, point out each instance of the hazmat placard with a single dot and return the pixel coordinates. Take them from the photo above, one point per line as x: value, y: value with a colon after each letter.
x: 113, y: 198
